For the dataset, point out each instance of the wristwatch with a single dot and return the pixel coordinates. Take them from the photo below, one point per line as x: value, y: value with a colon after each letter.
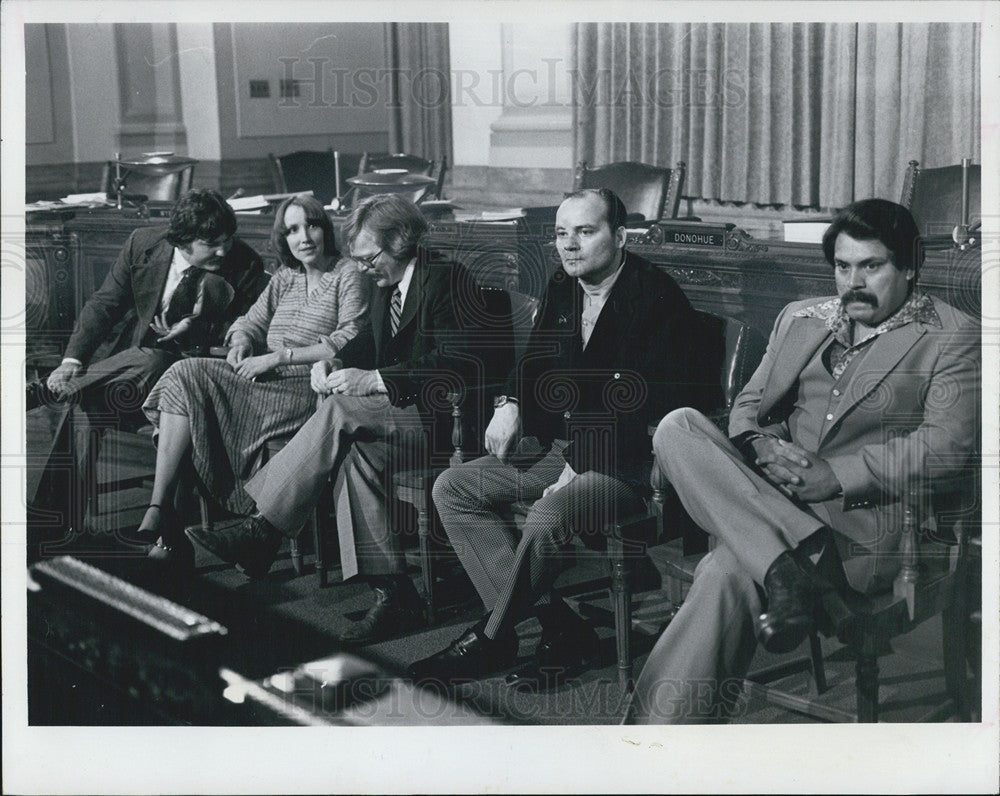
x: 502, y: 400
x: 288, y: 355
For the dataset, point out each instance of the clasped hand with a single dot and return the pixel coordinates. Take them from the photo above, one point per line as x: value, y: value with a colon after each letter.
x: 796, y: 471
x: 249, y: 367
x: 329, y: 378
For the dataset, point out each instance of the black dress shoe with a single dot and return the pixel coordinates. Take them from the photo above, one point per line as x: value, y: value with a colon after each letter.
x: 558, y: 657
x: 470, y: 656
x: 395, y: 611
x: 252, y: 545
x: 791, y: 606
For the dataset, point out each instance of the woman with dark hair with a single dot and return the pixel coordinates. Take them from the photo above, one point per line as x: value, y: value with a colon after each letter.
x: 220, y: 413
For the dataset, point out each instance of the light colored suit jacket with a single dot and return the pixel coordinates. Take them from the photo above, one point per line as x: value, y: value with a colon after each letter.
x: 910, y: 417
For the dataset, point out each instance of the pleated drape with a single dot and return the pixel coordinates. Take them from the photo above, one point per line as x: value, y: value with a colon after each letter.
x: 420, y: 86
x: 802, y: 114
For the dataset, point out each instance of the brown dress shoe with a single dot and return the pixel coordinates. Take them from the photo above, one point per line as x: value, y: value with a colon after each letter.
x: 395, y: 611
x: 252, y: 545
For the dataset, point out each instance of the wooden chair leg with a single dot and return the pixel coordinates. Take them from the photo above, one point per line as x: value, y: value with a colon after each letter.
x: 295, y: 554
x: 426, y: 556
x: 86, y: 473
x: 319, y: 545
x: 866, y: 684
x: 816, y: 663
x: 621, y: 599
x: 954, y: 632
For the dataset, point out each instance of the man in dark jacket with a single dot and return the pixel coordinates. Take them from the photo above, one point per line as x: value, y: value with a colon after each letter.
x: 609, y: 354
x: 169, y: 291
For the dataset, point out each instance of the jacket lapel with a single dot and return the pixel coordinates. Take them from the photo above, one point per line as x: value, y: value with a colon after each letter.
x: 885, y: 354
x: 150, y: 281
x: 380, y: 306
x: 615, y: 318
x: 799, y: 345
x: 414, y: 295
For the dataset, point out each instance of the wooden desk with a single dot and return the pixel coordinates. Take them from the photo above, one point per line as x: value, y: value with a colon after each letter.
x: 740, y: 276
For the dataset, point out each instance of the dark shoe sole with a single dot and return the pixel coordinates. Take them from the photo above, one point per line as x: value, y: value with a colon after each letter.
x: 781, y: 637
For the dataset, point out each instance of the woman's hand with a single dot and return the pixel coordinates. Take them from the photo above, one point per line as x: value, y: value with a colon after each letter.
x: 252, y: 367
x: 237, y: 353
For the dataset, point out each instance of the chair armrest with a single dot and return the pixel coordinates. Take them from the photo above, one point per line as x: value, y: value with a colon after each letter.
x: 635, y: 533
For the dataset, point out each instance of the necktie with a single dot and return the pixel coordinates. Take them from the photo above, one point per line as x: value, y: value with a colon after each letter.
x: 395, y: 310
x: 185, y: 295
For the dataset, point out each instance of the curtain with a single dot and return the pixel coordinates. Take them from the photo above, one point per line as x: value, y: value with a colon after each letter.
x: 420, y: 89
x: 802, y: 114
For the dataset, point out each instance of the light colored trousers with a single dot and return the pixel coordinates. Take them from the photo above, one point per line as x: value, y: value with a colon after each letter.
x: 360, y: 442
x: 511, y: 572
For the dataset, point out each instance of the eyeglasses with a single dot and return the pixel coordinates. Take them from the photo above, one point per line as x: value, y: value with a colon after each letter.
x: 370, y: 261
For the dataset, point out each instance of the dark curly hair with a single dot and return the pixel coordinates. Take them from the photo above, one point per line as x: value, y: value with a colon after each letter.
x: 884, y: 221
x: 201, y: 214
x: 315, y: 214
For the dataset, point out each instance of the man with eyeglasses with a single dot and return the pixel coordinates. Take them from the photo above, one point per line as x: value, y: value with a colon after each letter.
x: 374, y: 412
x: 171, y: 292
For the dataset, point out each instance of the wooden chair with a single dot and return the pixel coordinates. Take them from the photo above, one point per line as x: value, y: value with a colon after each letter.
x: 470, y: 413
x: 649, y: 192
x: 935, y: 196
x: 156, y: 184
x: 730, y: 351
x: 306, y: 170
x: 937, y: 577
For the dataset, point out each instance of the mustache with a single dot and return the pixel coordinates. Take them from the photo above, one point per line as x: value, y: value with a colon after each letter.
x: 859, y: 296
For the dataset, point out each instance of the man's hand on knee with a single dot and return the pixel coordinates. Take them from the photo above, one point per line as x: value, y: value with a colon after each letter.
x: 60, y: 379
x: 503, y: 431
x: 353, y: 381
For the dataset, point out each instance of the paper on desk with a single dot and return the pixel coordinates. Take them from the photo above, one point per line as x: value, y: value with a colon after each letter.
x: 84, y: 198
x: 248, y: 203
x: 503, y: 215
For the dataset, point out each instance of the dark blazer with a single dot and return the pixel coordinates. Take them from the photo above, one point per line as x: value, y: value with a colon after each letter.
x: 427, y: 351
x: 636, y: 368
x: 118, y: 314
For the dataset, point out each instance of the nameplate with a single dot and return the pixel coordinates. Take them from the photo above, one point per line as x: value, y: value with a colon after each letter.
x: 710, y: 235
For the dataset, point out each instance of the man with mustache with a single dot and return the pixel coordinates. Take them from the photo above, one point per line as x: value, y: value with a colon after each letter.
x: 171, y: 291
x: 859, y: 400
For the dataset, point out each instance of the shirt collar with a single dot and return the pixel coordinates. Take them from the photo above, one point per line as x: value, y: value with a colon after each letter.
x: 599, y: 292
x: 918, y: 308
x: 404, y: 283
x: 179, y: 263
